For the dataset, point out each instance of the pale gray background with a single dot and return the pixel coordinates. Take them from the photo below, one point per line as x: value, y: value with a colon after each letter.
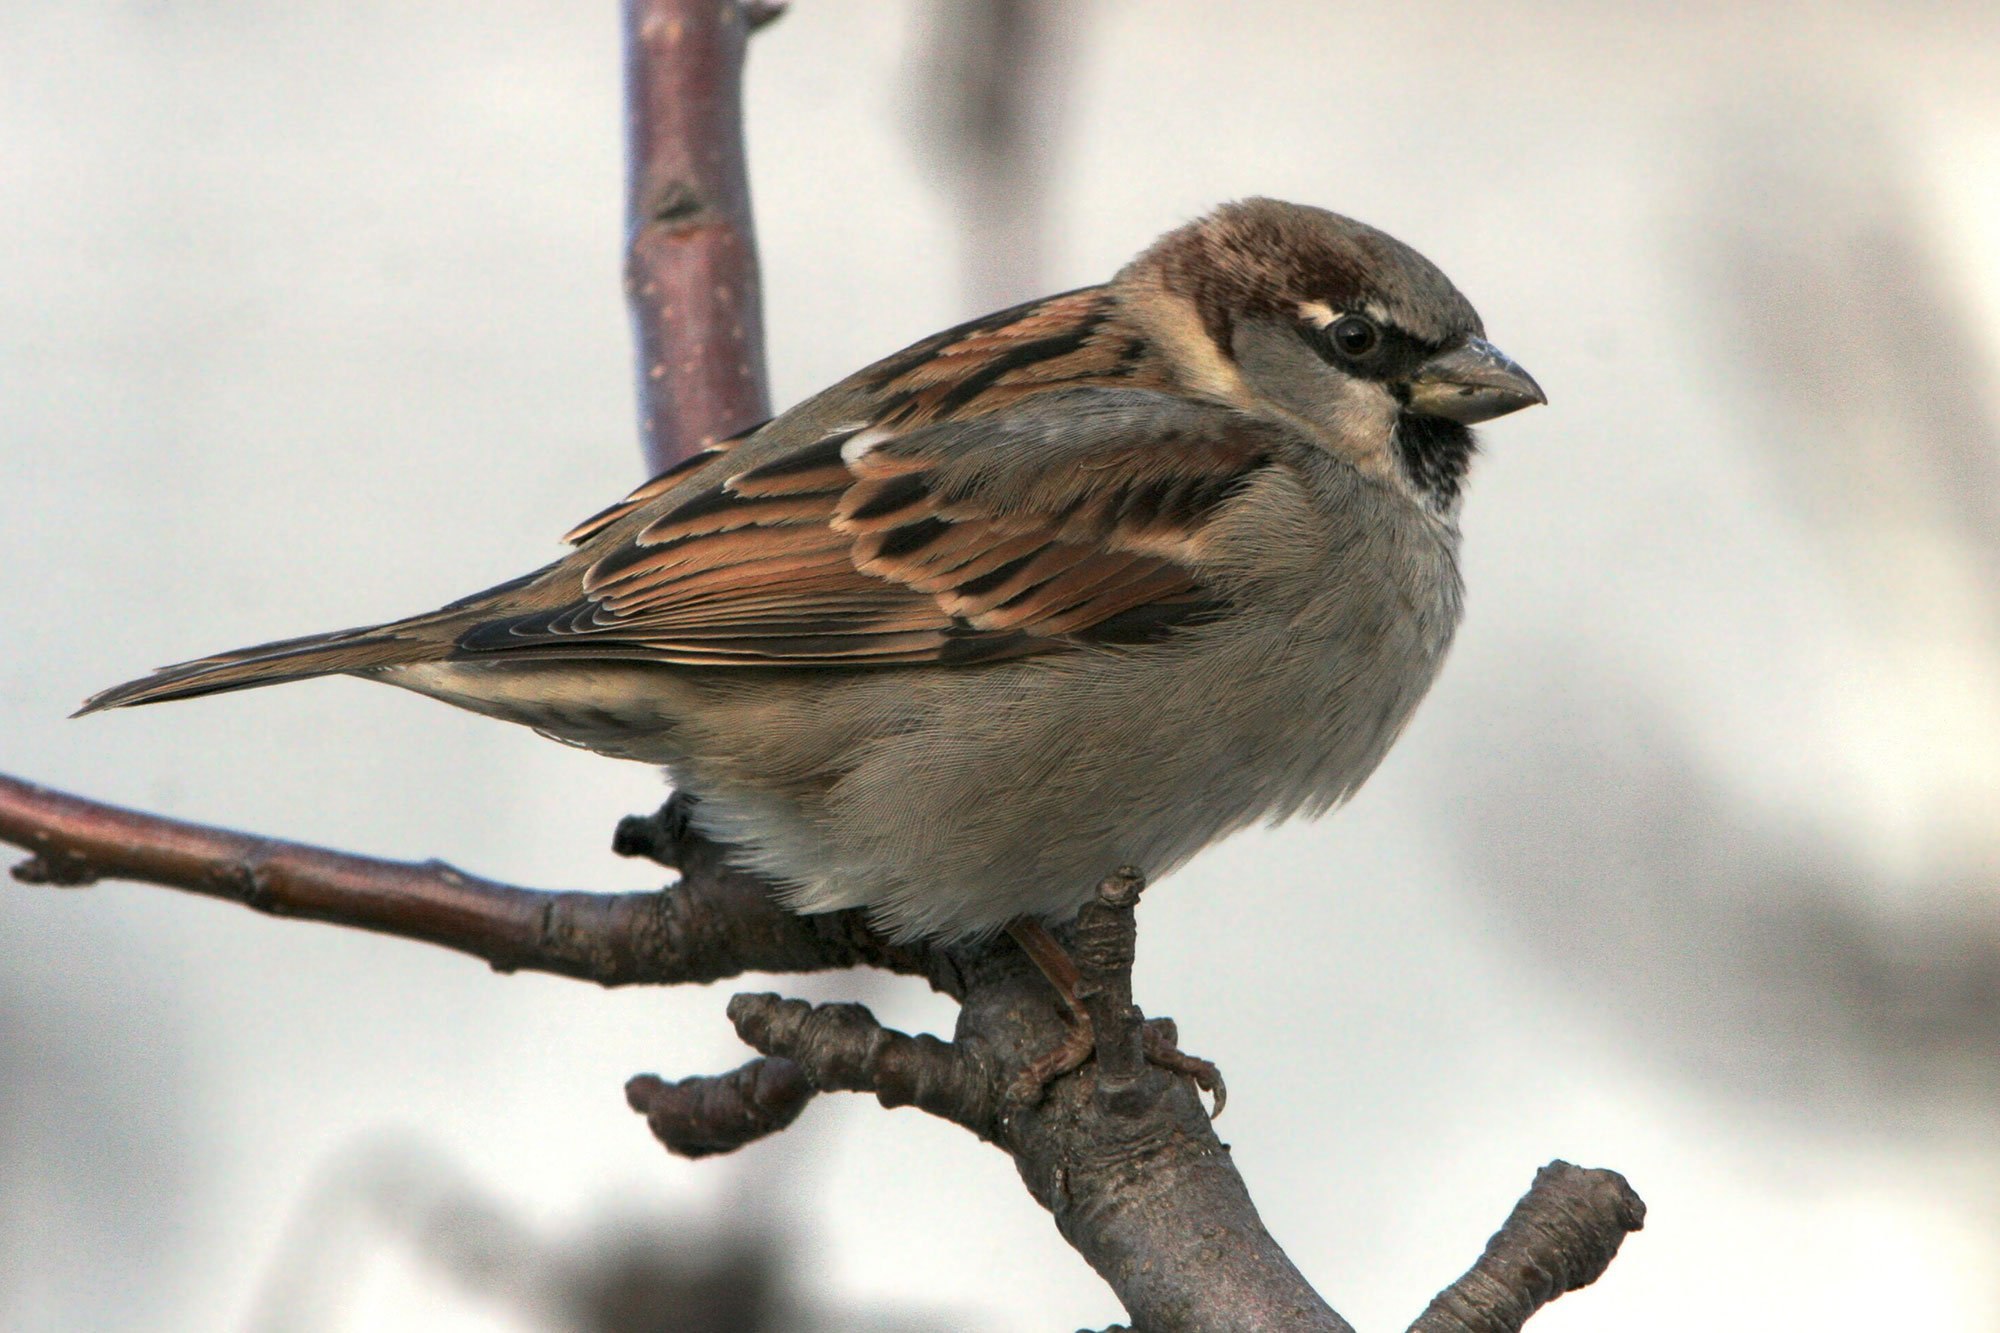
x: 310, y: 315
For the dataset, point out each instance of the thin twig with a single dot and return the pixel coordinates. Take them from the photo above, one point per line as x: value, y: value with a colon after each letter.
x: 709, y: 1114
x: 691, y: 250
x: 716, y: 922
x: 994, y: 81
x: 1560, y: 1237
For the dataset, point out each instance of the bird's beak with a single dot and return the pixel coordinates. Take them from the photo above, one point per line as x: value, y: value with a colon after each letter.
x: 1472, y: 382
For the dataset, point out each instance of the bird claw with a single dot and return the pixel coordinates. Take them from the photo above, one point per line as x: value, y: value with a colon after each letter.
x: 1161, y: 1050
x: 1074, y: 1051
x: 1079, y: 1045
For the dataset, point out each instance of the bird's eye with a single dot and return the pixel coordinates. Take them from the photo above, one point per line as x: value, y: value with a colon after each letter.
x: 1355, y: 336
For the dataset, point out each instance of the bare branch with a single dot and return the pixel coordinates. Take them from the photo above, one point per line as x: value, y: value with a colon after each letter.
x: 1560, y: 1237
x: 709, y: 1114
x: 1125, y: 1158
x: 843, y: 1048
x: 1122, y: 1153
x: 716, y: 922
x: 691, y: 251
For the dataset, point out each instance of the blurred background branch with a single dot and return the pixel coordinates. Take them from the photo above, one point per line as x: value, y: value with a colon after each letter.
x: 986, y: 109
x: 1770, y: 953
x: 389, y: 1200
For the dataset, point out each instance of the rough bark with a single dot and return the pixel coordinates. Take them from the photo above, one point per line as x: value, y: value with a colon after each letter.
x: 1121, y: 1152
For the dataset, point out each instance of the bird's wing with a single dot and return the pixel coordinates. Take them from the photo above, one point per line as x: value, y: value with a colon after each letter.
x: 1077, y: 516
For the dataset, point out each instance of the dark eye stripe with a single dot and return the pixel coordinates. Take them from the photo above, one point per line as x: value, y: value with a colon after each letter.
x: 1395, y: 357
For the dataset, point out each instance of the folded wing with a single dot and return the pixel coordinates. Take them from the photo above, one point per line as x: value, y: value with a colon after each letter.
x: 1076, y: 520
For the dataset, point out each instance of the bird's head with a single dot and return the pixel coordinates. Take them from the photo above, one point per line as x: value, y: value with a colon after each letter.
x: 1339, y: 327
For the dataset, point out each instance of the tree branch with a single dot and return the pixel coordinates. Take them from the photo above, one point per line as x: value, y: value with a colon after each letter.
x: 715, y: 922
x: 709, y: 1114
x: 1121, y: 1154
x: 691, y: 251
x: 1560, y: 1237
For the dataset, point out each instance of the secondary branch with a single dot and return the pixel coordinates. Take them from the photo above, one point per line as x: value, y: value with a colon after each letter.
x: 691, y: 250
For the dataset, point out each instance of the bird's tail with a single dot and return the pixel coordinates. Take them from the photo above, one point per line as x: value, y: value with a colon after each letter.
x: 397, y: 644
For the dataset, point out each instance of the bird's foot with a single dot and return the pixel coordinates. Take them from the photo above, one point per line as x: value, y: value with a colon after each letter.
x: 1158, y: 1037
x: 1161, y: 1049
x: 1079, y: 1043
x: 1158, y: 1041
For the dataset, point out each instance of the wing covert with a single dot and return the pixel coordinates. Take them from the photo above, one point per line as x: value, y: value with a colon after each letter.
x: 1074, y: 520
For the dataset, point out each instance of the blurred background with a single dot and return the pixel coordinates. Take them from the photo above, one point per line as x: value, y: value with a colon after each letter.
x: 310, y: 315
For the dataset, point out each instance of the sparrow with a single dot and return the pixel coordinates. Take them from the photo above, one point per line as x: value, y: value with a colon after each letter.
x: 1085, y: 584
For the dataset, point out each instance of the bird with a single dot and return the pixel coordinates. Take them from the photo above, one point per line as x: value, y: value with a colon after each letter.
x: 1087, y: 583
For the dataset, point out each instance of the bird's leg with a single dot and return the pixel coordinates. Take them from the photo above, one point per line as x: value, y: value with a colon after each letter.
x: 1157, y: 1037
x: 1080, y: 1042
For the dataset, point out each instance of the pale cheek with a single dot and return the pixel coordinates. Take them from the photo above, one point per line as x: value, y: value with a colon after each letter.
x: 1363, y: 417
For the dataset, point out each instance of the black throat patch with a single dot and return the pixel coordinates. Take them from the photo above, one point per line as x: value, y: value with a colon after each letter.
x: 1436, y: 453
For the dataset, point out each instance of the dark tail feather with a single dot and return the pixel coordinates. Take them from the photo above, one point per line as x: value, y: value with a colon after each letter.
x: 272, y: 664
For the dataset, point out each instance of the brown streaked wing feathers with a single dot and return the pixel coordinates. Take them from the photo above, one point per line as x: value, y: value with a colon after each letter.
x: 656, y: 486
x: 907, y: 554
